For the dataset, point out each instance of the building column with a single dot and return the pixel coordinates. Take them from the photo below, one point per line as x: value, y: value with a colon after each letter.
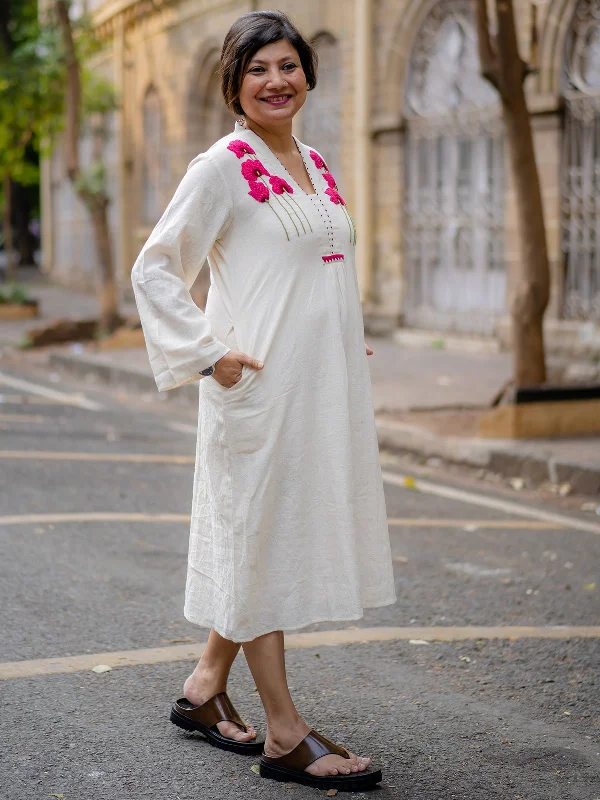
x: 363, y: 34
x: 123, y: 227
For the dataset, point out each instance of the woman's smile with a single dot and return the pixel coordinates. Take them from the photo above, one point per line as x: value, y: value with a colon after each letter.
x: 277, y: 100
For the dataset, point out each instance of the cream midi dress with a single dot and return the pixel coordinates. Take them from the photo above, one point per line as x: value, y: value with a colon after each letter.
x: 288, y: 520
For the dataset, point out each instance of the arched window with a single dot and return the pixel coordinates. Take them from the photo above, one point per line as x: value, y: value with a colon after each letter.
x: 454, y: 180
x: 581, y: 164
x: 209, y: 119
x: 155, y: 162
x: 321, y: 124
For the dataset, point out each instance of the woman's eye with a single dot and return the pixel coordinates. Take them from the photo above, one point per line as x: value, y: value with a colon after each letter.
x: 290, y: 66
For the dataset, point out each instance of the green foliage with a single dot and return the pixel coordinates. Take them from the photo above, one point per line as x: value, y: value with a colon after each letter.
x: 31, y: 81
x: 14, y: 293
x: 92, y: 179
x: 32, y: 86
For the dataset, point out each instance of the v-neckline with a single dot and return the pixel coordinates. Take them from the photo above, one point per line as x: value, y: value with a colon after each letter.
x: 239, y: 128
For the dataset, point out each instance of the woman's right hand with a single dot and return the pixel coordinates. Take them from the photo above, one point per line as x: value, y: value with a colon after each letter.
x: 228, y: 369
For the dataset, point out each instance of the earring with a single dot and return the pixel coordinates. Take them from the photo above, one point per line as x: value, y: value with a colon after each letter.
x: 241, y: 121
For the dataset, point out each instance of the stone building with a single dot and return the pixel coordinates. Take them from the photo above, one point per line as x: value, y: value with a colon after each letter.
x: 412, y: 132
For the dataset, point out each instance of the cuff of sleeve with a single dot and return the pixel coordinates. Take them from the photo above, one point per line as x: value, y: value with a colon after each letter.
x: 172, y: 379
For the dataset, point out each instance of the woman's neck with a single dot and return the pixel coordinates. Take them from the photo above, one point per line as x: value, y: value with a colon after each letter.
x: 279, y: 140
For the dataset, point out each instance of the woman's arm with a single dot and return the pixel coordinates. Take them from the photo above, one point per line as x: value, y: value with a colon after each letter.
x: 178, y: 334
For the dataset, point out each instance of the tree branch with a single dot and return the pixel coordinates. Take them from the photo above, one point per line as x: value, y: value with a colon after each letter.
x: 488, y: 57
x: 73, y: 90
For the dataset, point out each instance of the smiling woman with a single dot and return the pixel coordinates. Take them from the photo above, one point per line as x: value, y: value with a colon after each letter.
x: 289, y: 526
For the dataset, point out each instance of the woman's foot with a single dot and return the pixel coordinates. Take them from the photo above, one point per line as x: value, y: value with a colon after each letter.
x: 281, y: 742
x: 199, y: 688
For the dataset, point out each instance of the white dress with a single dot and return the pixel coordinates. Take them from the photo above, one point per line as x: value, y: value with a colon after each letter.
x: 288, y: 522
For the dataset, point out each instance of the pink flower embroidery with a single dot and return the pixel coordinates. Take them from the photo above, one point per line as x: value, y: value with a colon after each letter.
x: 258, y: 191
x: 319, y: 163
x: 240, y: 148
x: 335, y: 197
x: 280, y: 186
x: 330, y: 180
x: 253, y: 169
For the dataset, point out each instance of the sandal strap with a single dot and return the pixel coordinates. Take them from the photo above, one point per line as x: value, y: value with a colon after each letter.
x: 218, y: 709
x: 312, y: 747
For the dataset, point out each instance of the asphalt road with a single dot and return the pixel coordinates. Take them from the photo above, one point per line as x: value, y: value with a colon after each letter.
x: 475, y: 719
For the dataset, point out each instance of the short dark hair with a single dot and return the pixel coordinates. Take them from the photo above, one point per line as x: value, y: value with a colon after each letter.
x: 245, y: 37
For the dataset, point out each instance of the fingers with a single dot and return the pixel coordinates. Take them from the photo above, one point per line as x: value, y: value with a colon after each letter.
x: 253, y: 363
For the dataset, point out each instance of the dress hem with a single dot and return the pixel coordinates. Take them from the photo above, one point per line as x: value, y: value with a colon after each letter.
x: 226, y: 634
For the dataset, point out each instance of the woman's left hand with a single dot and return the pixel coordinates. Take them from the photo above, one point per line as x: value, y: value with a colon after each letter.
x: 369, y: 351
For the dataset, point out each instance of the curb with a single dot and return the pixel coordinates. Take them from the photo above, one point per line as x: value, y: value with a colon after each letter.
x: 121, y: 377
x: 500, y: 456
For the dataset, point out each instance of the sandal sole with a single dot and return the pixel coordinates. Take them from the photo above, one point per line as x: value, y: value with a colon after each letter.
x: 356, y: 782
x: 215, y: 739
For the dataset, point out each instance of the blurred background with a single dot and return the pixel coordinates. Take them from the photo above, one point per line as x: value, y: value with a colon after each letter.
x: 443, y: 221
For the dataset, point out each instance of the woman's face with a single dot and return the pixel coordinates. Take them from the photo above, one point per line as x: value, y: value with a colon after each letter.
x: 274, y: 86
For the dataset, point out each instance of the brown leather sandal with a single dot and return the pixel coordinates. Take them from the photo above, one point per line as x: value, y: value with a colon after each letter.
x: 204, y: 719
x: 290, y: 768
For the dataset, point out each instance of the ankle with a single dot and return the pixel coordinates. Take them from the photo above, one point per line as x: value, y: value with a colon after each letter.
x: 284, y: 734
x: 206, y: 681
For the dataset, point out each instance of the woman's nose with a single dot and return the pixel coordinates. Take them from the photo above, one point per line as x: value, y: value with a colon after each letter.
x: 275, y: 80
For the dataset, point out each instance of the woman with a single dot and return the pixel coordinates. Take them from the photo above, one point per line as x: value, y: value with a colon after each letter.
x: 289, y: 524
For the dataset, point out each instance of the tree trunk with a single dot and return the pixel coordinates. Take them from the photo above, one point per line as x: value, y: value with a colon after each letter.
x: 9, y: 252
x: 21, y: 209
x: 96, y: 204
x: 532, y: 288
x: 503, y: 67
x: 109, y: 318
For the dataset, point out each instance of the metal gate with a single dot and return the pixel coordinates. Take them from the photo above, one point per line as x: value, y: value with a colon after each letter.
x: 454, y: 184
x: 581, y: 165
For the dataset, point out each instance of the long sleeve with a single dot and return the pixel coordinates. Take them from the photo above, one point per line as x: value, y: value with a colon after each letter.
x: 178, y: 334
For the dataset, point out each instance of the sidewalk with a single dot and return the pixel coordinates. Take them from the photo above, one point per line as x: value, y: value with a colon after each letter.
x: 426, y: 399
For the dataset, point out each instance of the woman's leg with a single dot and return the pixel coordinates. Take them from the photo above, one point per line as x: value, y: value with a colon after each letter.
x: 285, y: 727
x: 210, y: 677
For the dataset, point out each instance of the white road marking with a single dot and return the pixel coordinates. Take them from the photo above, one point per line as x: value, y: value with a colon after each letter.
x: 293, y: 641
x: 473, y: 525
x: 130, y: 458
x: 125, y: 516
x: 43, y: 391
x: 496, y: 503
x: 91, y: 516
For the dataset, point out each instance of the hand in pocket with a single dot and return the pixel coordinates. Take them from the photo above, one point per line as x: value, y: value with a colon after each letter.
x: 228, y: 369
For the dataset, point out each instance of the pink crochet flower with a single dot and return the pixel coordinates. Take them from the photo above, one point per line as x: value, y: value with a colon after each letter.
x: 335, y: 197
x: 330, y: 180
x: 259, y: 191
x: 319, y: 163
x: 240, y: 148
x: 280, y: 186
x: 253, y: 169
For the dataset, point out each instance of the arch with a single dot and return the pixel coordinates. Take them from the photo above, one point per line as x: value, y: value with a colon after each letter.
x: 207, y: 116
x: 155, y: 162
x: 553, y: 36
x: 454, y: 184
x: 403, y: 31
x: 321, y: 115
